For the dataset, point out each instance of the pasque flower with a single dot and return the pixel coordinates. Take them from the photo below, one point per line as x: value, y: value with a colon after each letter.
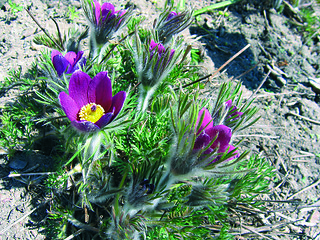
x: 153, y: 63
x: 161, y: 58
x: 105, y: 13
x: 208, y: 132
x: 68, y: 63
x: 104, y: 20
x: 157, y: 65
x: 90, y: 105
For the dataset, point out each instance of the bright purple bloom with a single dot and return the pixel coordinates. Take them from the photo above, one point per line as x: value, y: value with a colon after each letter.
x: 234, y: 113
x: 208, y: 132
x: 106, y: 13
x: 103, y: 13
x: 90, y: 105
x: 171, y: 15
x: 105, y: 21
x: 69, y: 63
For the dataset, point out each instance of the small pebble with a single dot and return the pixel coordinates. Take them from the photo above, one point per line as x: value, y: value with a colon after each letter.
x: 315, y: 84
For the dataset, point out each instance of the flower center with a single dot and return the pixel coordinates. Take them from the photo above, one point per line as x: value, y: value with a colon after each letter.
x: 91, y: 112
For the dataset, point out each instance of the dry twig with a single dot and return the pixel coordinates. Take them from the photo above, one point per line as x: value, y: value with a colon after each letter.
x: 304, y: 189
x: 305, y: 118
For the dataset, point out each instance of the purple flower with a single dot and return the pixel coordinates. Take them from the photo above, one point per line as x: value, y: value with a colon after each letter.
x: 235, y: 115
x: 104, y: 13
x: 90, y: 105
x: 105, y: 20
x: 161, y: 49
x: 157, y: 65
x: 207, y: 132
x: 69, y: 63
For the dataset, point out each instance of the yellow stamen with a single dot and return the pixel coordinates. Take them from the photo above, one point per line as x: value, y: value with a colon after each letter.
x: 91, y: 112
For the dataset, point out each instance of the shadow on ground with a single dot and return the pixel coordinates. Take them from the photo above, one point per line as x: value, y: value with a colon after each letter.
x: 221, y: 47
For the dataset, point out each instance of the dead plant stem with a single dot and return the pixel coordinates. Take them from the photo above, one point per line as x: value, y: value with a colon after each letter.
x: 305, y: 118
x: 210, y: 76
x: 304, y: 189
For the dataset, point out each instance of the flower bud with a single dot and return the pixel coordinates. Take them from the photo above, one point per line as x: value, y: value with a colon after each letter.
x: 105, y: 21
x: 233, y: 114
x: 67, y: 64
x: 171, y: 23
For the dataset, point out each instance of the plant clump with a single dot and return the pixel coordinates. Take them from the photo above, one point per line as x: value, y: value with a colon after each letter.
x: 140, y: 157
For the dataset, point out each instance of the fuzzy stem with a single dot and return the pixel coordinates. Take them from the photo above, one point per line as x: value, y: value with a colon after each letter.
x: 95, y: 48
x: 145, y: 95
x: 91, y: 153
x: 166, y: 181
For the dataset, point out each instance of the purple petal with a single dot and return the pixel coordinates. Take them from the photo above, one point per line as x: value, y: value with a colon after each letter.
x: 223, y: 139
x: 208, y: 151
x: 71, y: 57
x: 60, y: 64
x: 100, y: 90
x: 117, y: 102
x: 171, y: 15
x: 78, y: 64
x: 78, y: 88
x: 97, y: 9
x: 235, y: 152
x: 229, y: 150
x: 171, y: 54
x: 78, y: 57
x: 207, y: 120
x: 107, y: 10
x: 234, y: 113
x: 228, y: 103
x: 104, y: 120
x: 202, y: 141
x: 161, y: 48
x: 152, y: 45
x: 85, y: 126
x: 69, y: 106
x: 55, y: 53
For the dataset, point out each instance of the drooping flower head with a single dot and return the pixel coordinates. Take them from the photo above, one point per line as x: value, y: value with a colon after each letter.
x: 104, y: 20
x: 208, y: 132
x: 90, y: 105
x: 170, y: 23
x: 69, y: 63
